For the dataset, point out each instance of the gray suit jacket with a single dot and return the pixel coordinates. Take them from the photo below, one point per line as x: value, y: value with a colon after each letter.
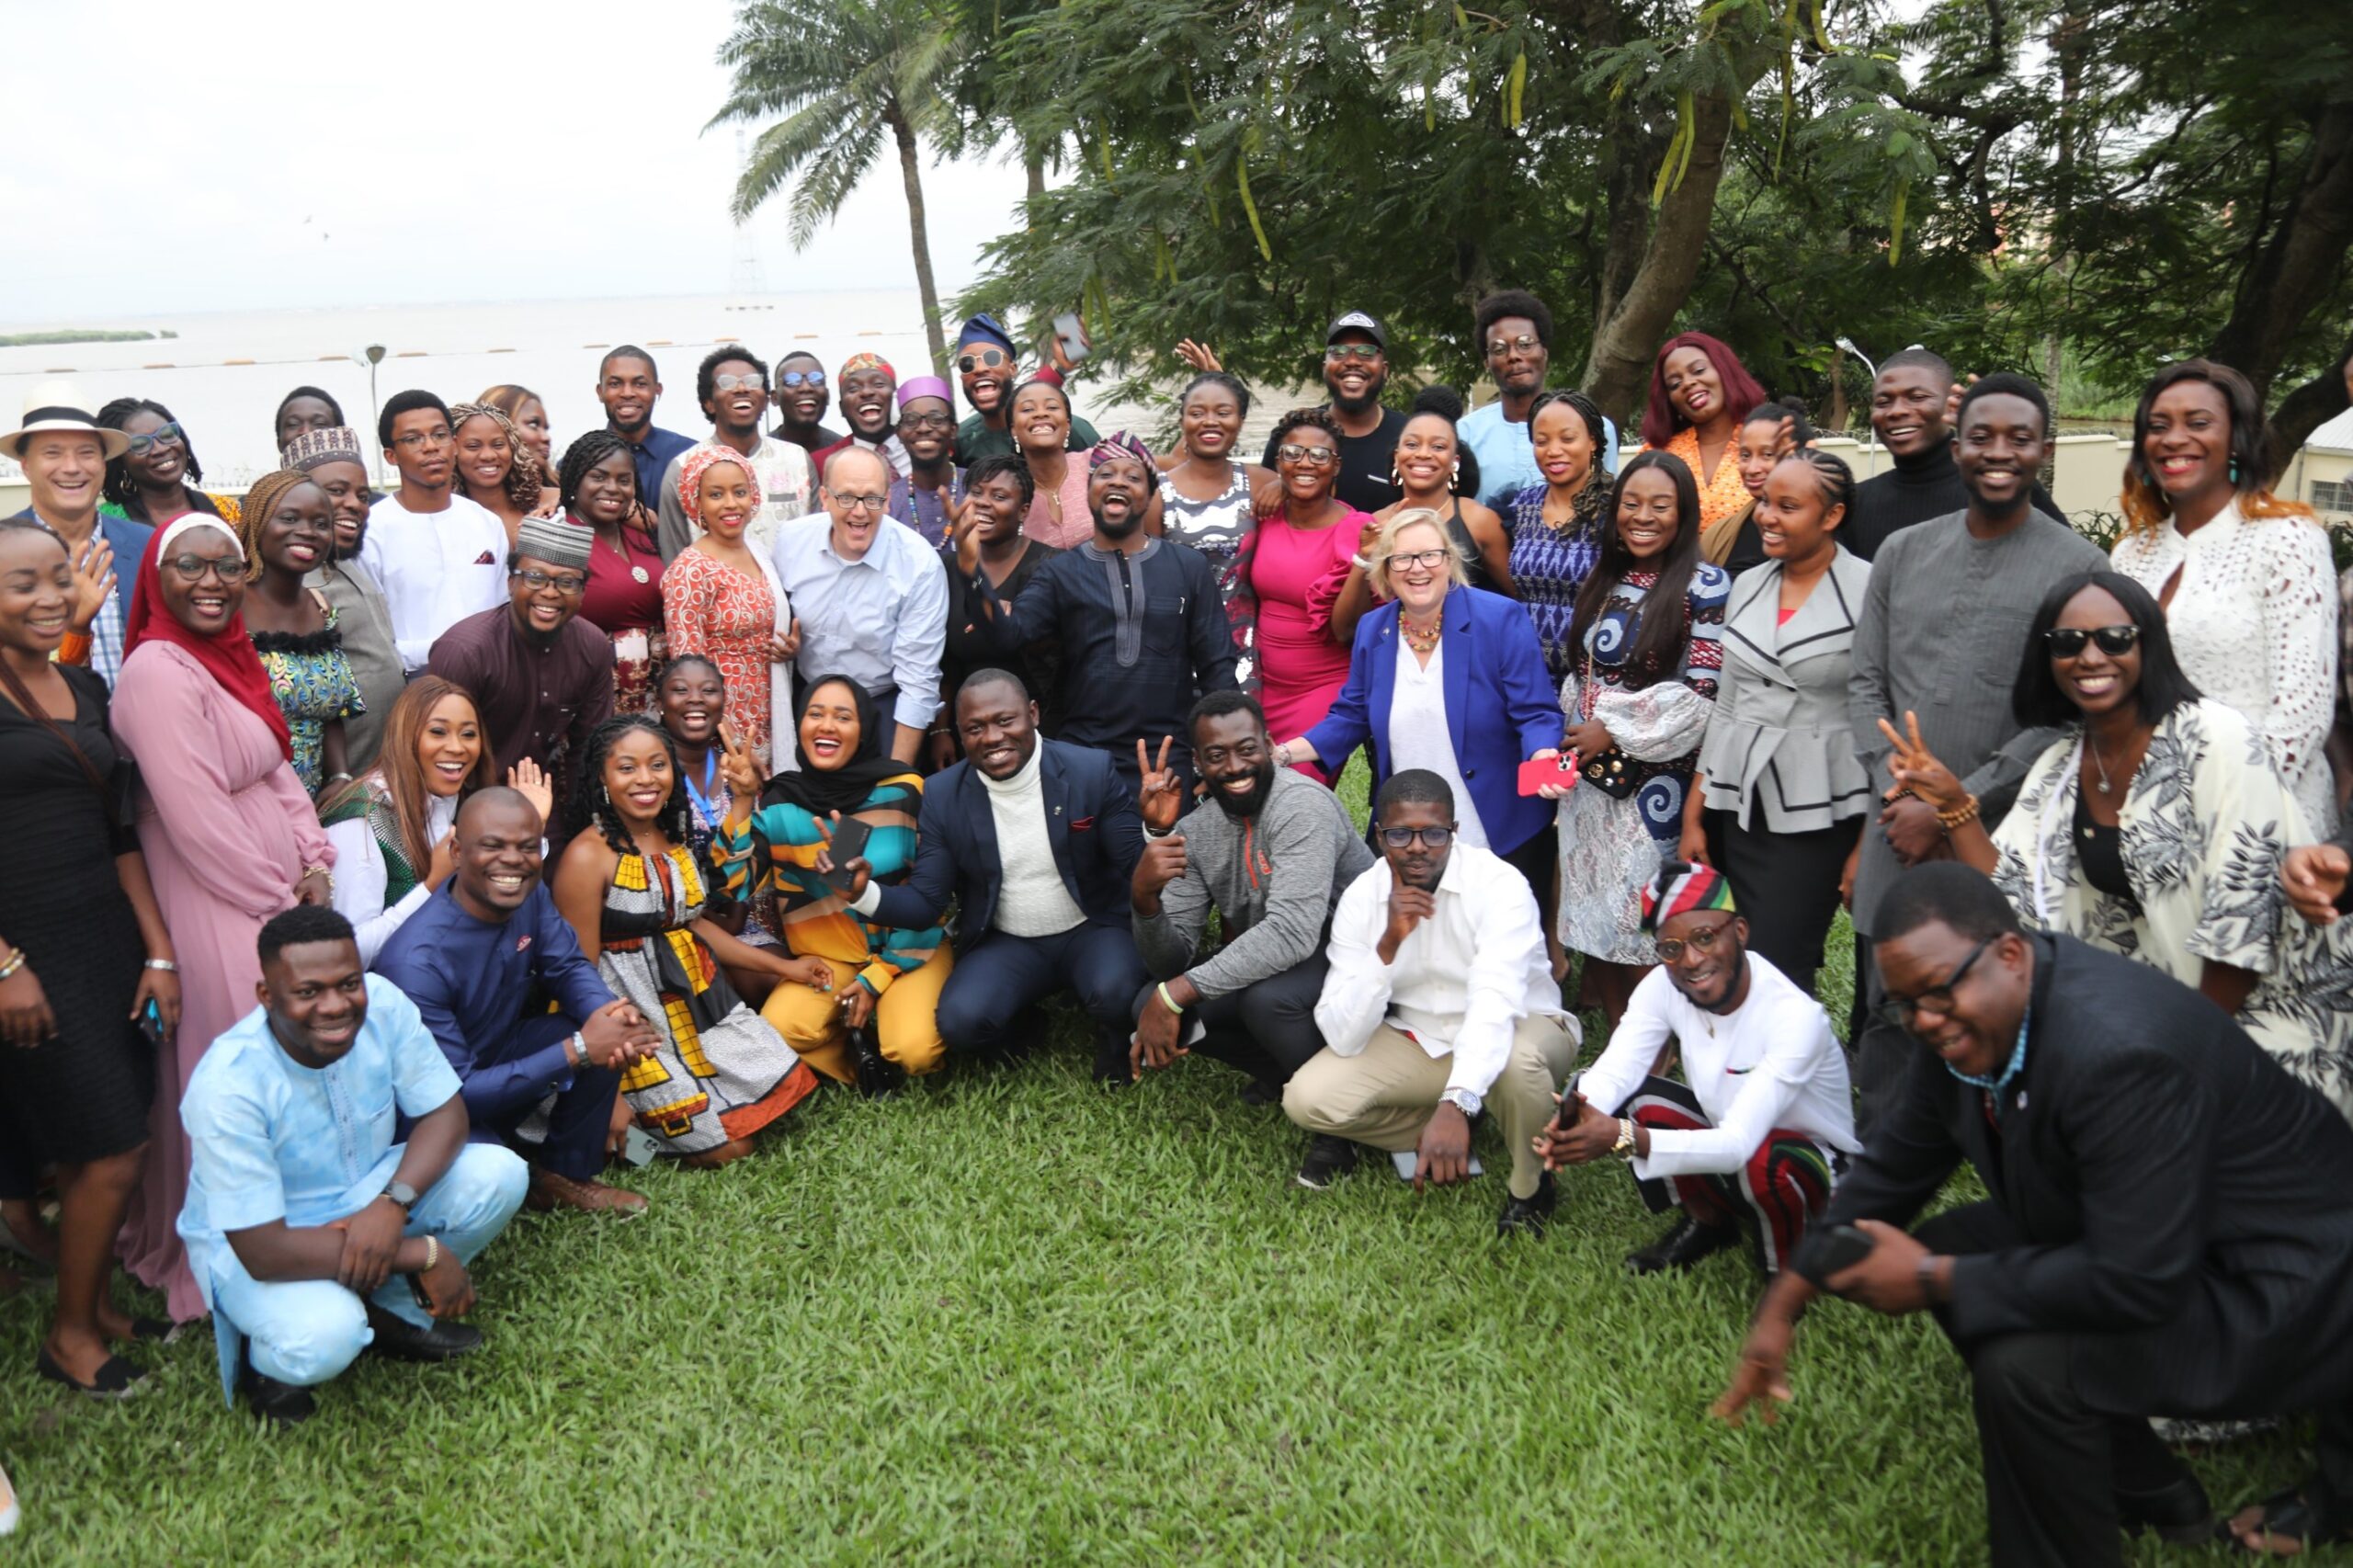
x: 1779, y: 752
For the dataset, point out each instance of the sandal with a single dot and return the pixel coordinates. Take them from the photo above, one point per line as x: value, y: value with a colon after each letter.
x: 117, y: 1379
x: 2288, y: 1516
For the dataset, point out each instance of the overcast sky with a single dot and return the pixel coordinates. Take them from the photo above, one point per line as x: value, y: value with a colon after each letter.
x: 238, y: 154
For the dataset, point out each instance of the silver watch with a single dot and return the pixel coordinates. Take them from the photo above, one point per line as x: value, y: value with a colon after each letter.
x: 1464, y: 1101
x: 401, y: 1193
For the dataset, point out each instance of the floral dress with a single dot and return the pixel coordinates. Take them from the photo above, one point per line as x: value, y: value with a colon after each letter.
x: 313, y: 684
x: 709, y: 608
x: 2202, y: 827
x: 1610, y: 847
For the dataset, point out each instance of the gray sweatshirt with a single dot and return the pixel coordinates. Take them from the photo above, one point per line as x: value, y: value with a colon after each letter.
x: 1273, y: 878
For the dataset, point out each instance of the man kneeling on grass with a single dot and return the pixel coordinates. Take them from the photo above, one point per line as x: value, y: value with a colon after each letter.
x: 313, y: 1233
x: 1439, y: 997
x: 1750, y: 1139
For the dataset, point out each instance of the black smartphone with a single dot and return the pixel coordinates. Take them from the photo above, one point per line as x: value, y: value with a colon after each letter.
x: 151, y: 1022
x: 849, y: 843
x: 1832, y: 1252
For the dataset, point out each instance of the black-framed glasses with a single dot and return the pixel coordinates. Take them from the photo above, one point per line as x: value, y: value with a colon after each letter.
x: 169, y: 435
x: 562, y: 582
x: 1526, y: 342
x: 2067, y: 641
x: 1341, y: 353
x: 927, y: 422
x: 1703, y: 940
x: 738, y: 384
x: 1433, y: 559
x: 986, y: 359
x: 1897, y: 1011
x: 1431, y: 837
x: 1306, y: 456
x: 196, y: 568
x: 861, y: 503
x: 801, y: 377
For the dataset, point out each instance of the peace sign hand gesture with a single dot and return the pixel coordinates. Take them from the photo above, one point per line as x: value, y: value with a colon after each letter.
x: 1160, y: 793
x: 738, y: 766
x: 1914, y: 767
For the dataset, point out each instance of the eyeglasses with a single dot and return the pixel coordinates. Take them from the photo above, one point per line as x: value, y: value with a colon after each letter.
x: 859, y: 503
x: 161, y: 436
x: 417, y: 440
x: 1431, y: 837
x: 1363, y: 353
x: 1527, y: 343
x: 1897, y: 1011
x: 563, y: 582
x: 927, y: 422
x: 1306, y: 456
x: 2067, y: 641
x: 1703, y: 940
x: 738, y: 384
x: 988, y: 358
x: 196, y: 568
x: 801, y: 377
x: 1433, y: 559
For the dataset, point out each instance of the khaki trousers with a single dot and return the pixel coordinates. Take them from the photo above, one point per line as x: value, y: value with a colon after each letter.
x: 1383, y: 1095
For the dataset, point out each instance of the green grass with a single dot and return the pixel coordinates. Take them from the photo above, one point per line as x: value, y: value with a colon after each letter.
x: 1006, y: 1318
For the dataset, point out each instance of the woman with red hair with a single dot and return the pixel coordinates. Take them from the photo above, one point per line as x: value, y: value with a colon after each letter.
x: 1699, y: 394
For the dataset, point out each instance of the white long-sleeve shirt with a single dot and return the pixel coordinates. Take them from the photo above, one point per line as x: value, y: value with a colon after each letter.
x: 361, y: 876
x: 1463, y: 980
x: 436, y: 569
x: 880, y: 620
x: 1771, y: 1062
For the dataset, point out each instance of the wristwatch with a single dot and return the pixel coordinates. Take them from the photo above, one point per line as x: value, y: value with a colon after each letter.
x: 401, y: 1193
x: 1464, y: 1101
x: 1624, y: 1147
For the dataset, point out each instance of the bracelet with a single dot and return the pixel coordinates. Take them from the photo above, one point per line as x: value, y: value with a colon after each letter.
x: 1963, y: 813
x: 165, y: 965
x: 339, y: 778
x: 1360, y: 563
x: 1167, y: 1001
x: 432, y: 1253
x: 16, y: 961
x: 326, y: 871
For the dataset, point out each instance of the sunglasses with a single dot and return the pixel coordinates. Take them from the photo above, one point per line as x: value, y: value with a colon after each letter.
x: 162, y: 436
x: 801, y: 377
x: 987, y: 358
x: 1431, y: 837
x: 2067, y: 641
x: 1306, y: 456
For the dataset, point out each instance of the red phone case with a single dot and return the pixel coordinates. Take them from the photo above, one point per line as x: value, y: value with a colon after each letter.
x: 1537, y: 772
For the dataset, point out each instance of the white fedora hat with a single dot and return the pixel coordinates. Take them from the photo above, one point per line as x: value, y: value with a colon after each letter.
x: 53, y: 405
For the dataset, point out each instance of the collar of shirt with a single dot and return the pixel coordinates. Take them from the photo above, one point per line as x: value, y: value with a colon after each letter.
x: 1994, y: 1086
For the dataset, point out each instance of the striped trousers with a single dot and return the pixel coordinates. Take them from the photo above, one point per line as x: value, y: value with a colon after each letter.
x: 1781, y: 1189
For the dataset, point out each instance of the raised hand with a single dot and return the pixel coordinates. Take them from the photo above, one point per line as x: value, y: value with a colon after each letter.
x: 739, y: 768
x: 444, y: 860
x: 1160, y: 793
x: 1953, y: 397
x: 1914, y: 767
x: 527, y: 776
x: 1198, y: 355
x: 93, y: 582
x: 964, y: 531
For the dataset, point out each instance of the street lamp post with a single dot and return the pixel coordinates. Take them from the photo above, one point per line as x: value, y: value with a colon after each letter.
x: 373, y: 355
x: 1870, y: 443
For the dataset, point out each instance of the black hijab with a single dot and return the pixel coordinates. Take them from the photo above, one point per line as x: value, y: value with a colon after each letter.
x: 847, y: 788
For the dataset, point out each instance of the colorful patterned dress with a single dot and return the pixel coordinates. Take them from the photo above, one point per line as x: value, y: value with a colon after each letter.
x: 313, y: 684
x: 721, y: 1072
x: 1548, y: 566
x: 711, y: 609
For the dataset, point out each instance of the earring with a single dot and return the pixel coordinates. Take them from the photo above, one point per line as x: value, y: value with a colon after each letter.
x: 2234, y: 470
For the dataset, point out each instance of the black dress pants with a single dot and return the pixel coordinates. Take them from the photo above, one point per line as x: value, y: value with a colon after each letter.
x: 1267, y: 1028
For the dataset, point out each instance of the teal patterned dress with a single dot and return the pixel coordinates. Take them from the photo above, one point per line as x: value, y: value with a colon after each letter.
x: 313, y: 684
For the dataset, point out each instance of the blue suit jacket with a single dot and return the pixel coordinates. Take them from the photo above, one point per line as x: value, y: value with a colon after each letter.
x: 129, y: 541
x: 1091, y: 821
x: 1500, y: 705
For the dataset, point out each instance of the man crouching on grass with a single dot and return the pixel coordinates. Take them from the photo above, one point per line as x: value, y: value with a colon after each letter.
x: 313, y: 1233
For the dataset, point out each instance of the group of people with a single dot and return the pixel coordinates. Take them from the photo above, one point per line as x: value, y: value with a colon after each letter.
x: 392, y: 861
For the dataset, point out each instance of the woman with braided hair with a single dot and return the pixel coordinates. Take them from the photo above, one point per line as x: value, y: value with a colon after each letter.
x: 156, y: 480
x: 1556, y: 526
x: 530, y: 413
x: 598, y: 484
x: 634, y: 893
x: 287, y: 527
x: 493, y: 468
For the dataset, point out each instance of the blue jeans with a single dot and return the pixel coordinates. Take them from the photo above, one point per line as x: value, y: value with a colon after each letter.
x: 306, y: 1331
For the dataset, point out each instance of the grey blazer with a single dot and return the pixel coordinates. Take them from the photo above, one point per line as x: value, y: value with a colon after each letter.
x: 1780, y: 744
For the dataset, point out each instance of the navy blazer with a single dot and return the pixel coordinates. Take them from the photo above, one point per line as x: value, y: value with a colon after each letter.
x: 1500, y: 705
x: 1091, y: 821
x: 129, y: 541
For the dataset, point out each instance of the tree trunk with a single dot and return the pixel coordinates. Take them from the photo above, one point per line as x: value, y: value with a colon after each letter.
x: 911, y: 170
x: 1033, y: 167
x: 2300, y: 263
x: 1617, y: 371
x: 2308, y: 408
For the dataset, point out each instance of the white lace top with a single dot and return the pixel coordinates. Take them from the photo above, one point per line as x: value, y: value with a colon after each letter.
x: 2253, y: 624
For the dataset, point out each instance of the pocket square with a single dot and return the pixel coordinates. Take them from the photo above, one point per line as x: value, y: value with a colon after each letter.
x: 1080, y: 824
x: 485, y: 558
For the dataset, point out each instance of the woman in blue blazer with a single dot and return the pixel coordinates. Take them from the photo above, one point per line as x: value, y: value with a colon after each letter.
x: 1452, y: 679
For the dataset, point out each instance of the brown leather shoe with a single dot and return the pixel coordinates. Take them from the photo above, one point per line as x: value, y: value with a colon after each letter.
x: 550, y: 1191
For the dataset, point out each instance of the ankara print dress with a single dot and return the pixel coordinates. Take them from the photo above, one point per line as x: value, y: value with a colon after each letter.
x: 721, y: 1073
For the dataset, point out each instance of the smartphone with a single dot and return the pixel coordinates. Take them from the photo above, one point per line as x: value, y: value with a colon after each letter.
x: 638, y: 1147
x: 1538, y: 771
x: 1070, y: 332
x: 151, y: 1022
x: 1831, y: 1252
x: 849, y: 843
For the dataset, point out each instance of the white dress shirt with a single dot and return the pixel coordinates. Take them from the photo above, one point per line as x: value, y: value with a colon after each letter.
x: 880, y: 620
x: 436, y: 569
x: 1770, y: 1062
x: 1463, y: 980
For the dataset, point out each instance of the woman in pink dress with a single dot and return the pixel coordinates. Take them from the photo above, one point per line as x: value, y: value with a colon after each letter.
x: 1297, y: 583
x: 720, y: 599
x: 228, y: 831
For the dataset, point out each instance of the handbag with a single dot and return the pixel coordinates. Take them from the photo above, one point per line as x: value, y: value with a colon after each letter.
x: 1612, y: 772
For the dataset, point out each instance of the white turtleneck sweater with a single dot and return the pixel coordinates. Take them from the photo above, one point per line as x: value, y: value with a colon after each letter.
x: 1032, y: 901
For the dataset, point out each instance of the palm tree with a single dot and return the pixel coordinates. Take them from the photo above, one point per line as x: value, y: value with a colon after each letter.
x: 843, y: 73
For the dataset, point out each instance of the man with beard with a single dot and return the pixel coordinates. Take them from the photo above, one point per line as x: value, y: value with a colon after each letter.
x: 1138, y: 618
x: 627, y: 386
x: 1271, y: 860
x: 481, y: 961
x: 867, y: 385
x: 1036, y: 842
x: 1943, y: 629
x: 733, y: 387
x: 987, y: 365
x: 331, y: 459
x: 312, y: 1231
x: 927, y: 495
x: 1910, y: 412
x: 1439, y: 998
x: 1750, y: 1138
x: 802, y: 397
x: 541, y: 678
x: 1355, y: 370
x: 1514, y: 330
x: 433, y: 551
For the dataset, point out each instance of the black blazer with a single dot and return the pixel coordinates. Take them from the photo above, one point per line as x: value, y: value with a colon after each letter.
x: 2182, y: 1202
x: 1091, y: 821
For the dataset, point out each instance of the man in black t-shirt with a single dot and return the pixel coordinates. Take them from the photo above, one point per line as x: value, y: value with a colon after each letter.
x: 1355, y: 369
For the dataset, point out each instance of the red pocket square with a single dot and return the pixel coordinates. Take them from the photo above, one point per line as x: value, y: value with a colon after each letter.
x: 485, y: 558
x: 1080, y: 824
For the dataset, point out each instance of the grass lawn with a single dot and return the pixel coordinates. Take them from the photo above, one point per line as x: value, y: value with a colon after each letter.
x: 1007, y: 1318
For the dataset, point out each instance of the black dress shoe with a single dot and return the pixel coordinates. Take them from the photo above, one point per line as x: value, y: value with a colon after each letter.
x: 1112, y: 1069
x: 1529, y: 1216
x: 1329, y: 1157
x: 2179, y: 1512
x: 876, y: 1073
x: 1257, y: 1091
x: 281, y: 1404
x: 403, y: 1341
x: 1684, y: 1245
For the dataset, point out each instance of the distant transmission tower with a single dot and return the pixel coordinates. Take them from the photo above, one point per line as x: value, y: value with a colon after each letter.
x: 744, y: 276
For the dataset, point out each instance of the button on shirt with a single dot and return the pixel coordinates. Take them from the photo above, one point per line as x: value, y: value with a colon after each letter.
x: 880, y: 620
x: 436, y: 569
x: 1463, y: 980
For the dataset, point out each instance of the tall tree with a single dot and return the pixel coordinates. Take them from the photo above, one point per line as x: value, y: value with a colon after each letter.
x: 844, y: 75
